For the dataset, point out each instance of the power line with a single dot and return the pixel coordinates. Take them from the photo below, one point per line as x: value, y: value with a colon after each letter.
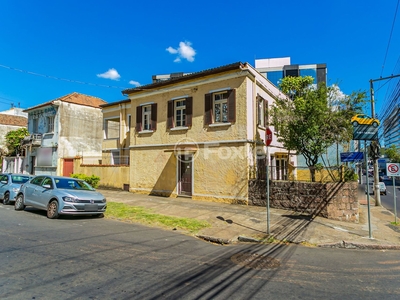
x: 390, y: 37
x: 61, y: 79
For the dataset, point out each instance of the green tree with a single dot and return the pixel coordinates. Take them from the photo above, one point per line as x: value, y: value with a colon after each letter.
x: 13, y: 140
x: 393, y: 154
x: 311, y: 118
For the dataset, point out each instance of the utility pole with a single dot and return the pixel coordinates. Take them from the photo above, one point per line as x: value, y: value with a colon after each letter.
x: 377, y: 192
x: 376, y: 167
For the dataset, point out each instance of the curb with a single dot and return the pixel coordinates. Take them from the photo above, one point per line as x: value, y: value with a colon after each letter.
x: 214, y: 239
x: 350, y: 245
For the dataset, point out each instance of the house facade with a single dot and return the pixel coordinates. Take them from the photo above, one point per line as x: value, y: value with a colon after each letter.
x: 117, y: 119
x: 202, y: 135
x: 10, y: 122
x: 61, y: 130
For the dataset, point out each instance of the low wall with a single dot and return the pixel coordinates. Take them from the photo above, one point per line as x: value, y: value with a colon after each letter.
x: 335, y: 200
x: 110, y: 176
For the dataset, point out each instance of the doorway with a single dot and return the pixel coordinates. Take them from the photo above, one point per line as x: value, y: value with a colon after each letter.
x: 68, y: 168
x: 185, y: 175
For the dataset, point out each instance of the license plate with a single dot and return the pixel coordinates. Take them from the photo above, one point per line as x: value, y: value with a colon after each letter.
x: 90, y: 207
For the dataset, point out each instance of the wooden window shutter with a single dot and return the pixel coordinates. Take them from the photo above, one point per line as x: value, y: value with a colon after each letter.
x: 258, y: 99
x: 266, y: 116
x: 207, y: 109
x: 232, y: 106
x: 154, y: 116
x: 189, y: 111
x: 170, y: 114
x: 138, y: 118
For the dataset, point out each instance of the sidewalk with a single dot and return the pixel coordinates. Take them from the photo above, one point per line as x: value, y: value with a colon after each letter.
x: 239, y: 223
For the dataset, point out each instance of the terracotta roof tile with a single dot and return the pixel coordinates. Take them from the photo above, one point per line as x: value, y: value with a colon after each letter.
x: 13, y: 120
x: 75, y: 98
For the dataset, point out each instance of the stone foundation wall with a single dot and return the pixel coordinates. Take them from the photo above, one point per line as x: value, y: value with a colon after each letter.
x: 337, y: 200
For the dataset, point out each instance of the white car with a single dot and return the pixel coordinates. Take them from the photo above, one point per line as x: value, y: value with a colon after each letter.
x: 61, y: 196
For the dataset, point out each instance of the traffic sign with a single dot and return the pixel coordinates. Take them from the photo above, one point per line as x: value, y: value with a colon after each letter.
x: 351, y: 156
x: 268, y: 136
x: 392, y: 169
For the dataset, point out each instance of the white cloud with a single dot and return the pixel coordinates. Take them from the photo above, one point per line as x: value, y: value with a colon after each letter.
x: 185, y: 51
x: 171, y: 50
x: 336, y: 93
x: 135, y: 83
x: 110, y: 74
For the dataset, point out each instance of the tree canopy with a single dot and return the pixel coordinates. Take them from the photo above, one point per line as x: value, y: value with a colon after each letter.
x: 312, y: 118
x: 13, y: 140
x: 393, y: 154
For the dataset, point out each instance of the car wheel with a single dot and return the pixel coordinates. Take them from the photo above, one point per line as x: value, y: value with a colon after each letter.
x: 6, y: 199
x: 52, y: 210
x: 19, y: 202
x: 355, y: 123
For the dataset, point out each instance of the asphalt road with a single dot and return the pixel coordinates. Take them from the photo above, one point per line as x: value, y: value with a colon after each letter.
x: 388, y: 200
x: 89, y: 258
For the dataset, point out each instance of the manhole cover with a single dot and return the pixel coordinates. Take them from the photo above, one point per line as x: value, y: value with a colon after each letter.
x: 255, y: 261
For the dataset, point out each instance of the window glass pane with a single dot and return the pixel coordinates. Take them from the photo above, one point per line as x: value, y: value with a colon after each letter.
x: 225, y: 112
x: 217, y: 113
x: 309, y: 72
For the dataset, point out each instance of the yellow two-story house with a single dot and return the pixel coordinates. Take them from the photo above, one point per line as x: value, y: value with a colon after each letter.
x: 201, y: 135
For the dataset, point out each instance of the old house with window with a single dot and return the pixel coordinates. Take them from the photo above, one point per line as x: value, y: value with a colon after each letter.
x: 201, y: 135
x: 10, y: 122
x: 60, y: 130
x: 117, y: 119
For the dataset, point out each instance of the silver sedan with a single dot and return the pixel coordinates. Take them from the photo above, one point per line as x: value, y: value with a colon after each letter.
x: 61, y: 196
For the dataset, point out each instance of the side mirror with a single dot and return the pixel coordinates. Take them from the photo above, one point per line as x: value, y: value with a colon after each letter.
x: 3, y: 181
x: 47, y: 186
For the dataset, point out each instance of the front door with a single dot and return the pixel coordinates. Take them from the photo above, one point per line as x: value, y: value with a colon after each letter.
x: 185, y: 175
x: 68, y: 167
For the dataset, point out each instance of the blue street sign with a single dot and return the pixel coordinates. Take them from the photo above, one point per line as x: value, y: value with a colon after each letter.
x: 351, y: 156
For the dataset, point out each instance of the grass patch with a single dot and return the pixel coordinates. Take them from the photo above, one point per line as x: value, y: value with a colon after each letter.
x: 137, y: 214
x: 395, y: 223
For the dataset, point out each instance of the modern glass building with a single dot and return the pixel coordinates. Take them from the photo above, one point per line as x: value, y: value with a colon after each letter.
x: 274, y: 69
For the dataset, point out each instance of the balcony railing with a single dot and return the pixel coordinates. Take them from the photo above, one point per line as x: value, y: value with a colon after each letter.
x: 33, y: 139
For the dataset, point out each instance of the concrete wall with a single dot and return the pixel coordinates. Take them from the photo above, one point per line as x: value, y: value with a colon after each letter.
x: 110, y: 176
x: 337, y: 201
x: 80, y: 130
x: 4, y: 129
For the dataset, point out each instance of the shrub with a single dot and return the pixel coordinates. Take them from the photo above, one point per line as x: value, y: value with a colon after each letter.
x: 92, y: 180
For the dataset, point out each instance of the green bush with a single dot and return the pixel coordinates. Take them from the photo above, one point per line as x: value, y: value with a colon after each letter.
x: 92, y: 180
x: 350, y: 175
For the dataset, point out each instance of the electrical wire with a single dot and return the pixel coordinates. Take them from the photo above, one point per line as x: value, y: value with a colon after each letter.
x: 390, y: 37
x: 61, y: 79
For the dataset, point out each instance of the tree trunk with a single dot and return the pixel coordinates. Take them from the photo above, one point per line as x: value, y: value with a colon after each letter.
x: 312, y: 172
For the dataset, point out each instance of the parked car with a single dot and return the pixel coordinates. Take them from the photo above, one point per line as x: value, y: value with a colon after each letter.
x: 371, y: 189
x: 361, y: 119
x: 383, y: 177
x: 382, y: 188
x: 61, y: 196
x: 10, y: 184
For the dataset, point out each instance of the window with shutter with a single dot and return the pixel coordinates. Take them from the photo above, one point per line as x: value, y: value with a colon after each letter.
x: 138, y: 118
x: 220, y: 107
x: 179, y: 113
x: 262, y: 111
x: 153, y: 116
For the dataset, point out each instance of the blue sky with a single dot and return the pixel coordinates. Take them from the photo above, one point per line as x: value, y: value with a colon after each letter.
x: 113, y: 45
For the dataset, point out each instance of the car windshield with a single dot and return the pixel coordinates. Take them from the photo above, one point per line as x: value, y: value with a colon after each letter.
x: 19, y: 179
x: 72, y: 184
